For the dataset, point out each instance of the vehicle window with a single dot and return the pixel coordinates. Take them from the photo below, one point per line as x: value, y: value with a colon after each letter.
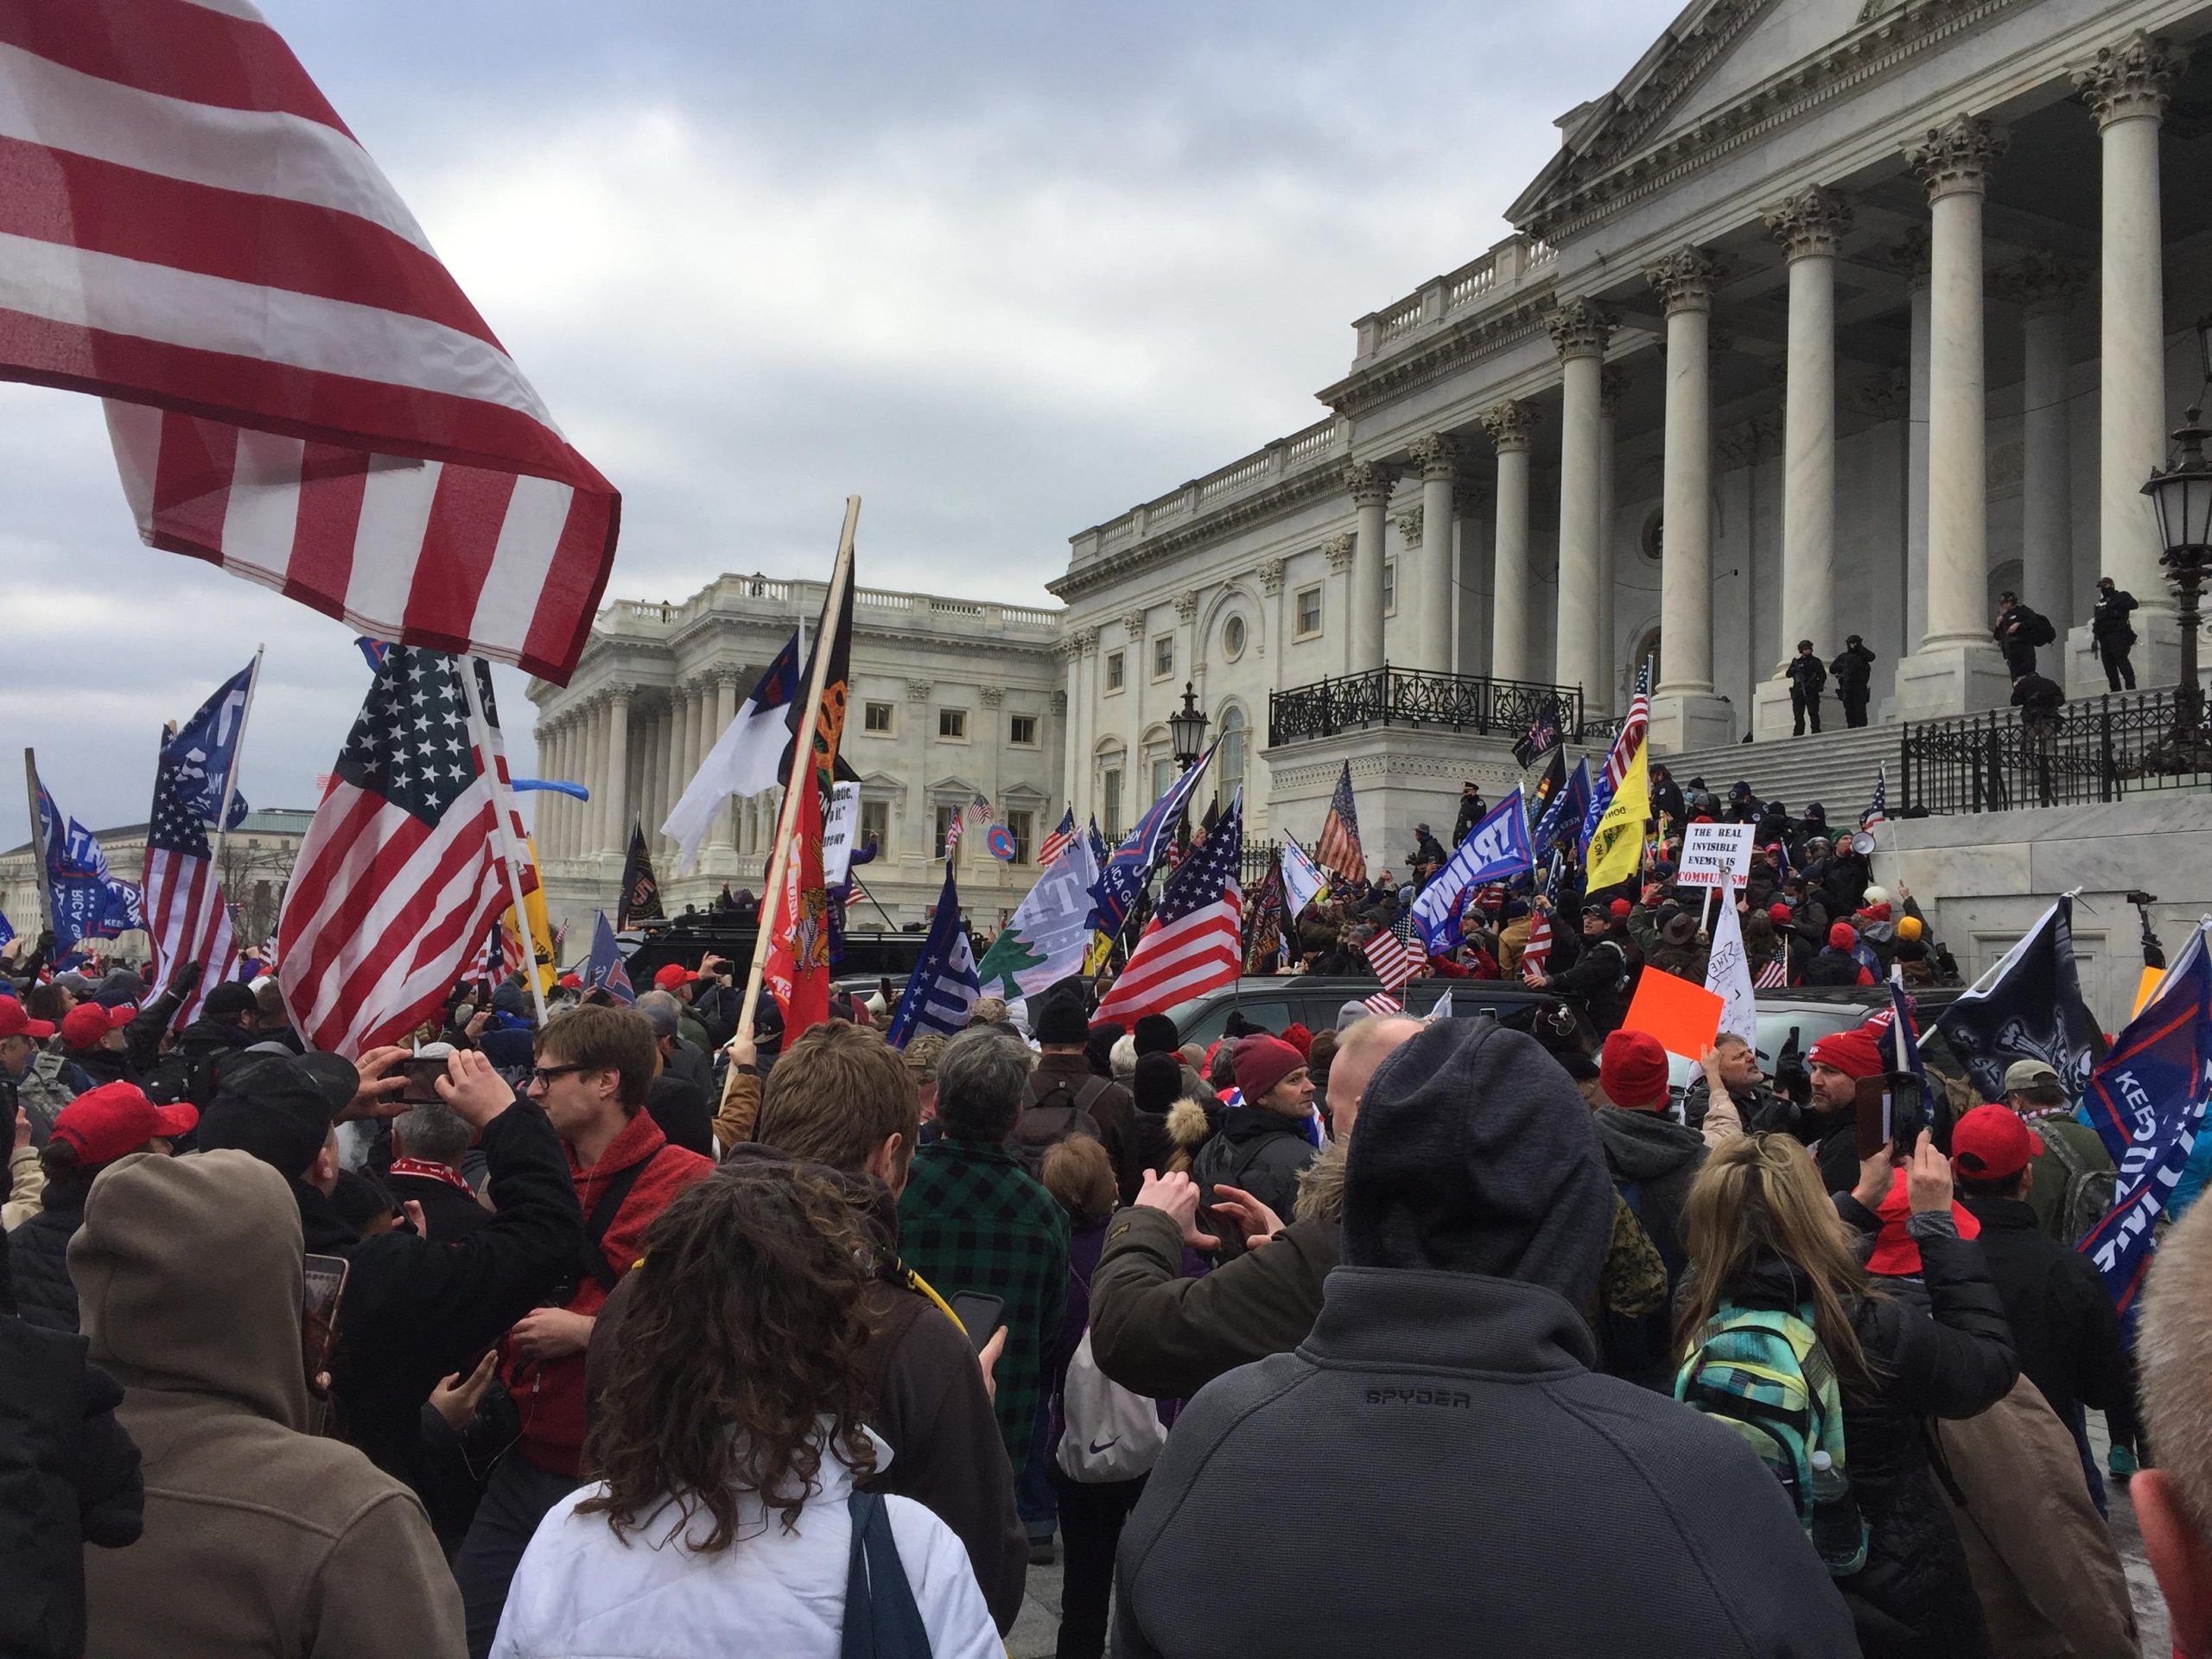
x: 1207, y: 1025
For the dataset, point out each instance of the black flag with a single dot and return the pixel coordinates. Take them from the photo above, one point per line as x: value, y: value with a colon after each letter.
x: 2029, y: 1007
x: 640, y: 899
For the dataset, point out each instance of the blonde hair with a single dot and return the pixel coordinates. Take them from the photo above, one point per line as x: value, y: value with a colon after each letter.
x: 1080, y: 1177
x: 1760, y: 1196
x: 2173, y: 1353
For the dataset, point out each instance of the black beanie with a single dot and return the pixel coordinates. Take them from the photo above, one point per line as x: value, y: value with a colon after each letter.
x: 1475, y: 1152
x: 1060, y: 1018
x: 275, y: 1108
x: 1155, y: 1033
x: 1158, y: 1084
x: 1098, y: 1046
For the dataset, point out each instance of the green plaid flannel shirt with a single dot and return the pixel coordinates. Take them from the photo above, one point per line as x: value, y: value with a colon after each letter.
x: 971, y: 1218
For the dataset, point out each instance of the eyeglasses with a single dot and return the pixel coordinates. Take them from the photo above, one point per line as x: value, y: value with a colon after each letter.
x: 543, y: 1076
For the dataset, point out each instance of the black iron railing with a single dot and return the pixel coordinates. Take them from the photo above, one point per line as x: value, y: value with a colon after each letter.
x: 2102, y: 748
x: 1406, y: 696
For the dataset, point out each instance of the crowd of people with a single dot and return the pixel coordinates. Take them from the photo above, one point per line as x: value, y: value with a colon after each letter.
x: 626, y: 1333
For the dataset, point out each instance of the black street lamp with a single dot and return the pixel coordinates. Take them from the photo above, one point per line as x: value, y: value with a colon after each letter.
x: 2182, y: 494
x: 1186, y: 734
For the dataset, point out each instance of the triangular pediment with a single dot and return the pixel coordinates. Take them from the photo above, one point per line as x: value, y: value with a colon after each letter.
x: 1715, y: 53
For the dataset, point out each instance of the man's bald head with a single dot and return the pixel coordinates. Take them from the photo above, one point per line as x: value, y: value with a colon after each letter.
x: 2173, y: 1352
x: 1359, y: 1051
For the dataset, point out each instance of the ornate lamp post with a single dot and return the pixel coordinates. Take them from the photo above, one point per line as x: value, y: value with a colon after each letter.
x: 2182, y: 493
x: 1186, y: 734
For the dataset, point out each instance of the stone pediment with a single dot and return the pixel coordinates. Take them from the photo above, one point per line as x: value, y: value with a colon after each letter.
x: 1717, y: 60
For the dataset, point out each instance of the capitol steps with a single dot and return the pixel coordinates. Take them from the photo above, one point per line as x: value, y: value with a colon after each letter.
x: 1836, y: 768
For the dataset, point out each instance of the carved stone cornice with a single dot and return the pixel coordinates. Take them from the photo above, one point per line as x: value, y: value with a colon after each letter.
x: 1684, y: 279
x: 1436, y: 455
x: 1271, y: 577
x: 1612, y: 380
x: 2042, y: 283
x: 1338, y: 549
x: 1133, y: 624
x: 1369, y: 485
x: 918, y: 690
x: 1510, y: 424
x: 1409, y: 526
x: 1957, y: 155
x: 992, y: 696
x: 1580, y: 327
x: 1444, y: 354
x: 2131, y: 79
x: 1810, y: 223
x: 1060, y: 702
x: 1187, y: 605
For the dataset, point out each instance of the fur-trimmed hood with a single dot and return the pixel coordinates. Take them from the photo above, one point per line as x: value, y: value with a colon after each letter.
x: 1188, y: 1127
x: 1321, y: 1187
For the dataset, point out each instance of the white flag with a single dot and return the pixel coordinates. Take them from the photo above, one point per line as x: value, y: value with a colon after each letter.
x: 1302, y: 883
x: 1049, y: 934
x: 1728, y: 974
x: 839, y: 831
x: 1441, y: 1011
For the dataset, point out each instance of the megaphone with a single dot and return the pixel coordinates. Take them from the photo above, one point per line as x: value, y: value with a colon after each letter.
x: 1863, y: 842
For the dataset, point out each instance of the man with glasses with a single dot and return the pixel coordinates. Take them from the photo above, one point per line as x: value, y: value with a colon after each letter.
x: 594, y: 1067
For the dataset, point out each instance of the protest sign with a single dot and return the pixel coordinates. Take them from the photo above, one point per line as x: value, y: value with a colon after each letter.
x: 839, y: 832
x: 1714, y: 855
x: 1682, y: 1016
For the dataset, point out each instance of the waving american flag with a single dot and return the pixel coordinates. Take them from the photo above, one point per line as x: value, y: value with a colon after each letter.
x: 1193, y: 944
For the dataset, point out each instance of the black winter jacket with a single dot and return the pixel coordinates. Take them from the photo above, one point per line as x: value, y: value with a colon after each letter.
x: 1807, y: 675
x: 1653, y: 1160
x: 1940, y: 1348
x: 1497, y: 1479
x: 1853, y: 669
x: 38, y: 1259
x: 2063, y: 1323
x: 1258, y: 1150
x: 71, y: 1478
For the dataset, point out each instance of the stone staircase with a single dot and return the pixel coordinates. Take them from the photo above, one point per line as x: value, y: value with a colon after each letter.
x: 1836, y: 768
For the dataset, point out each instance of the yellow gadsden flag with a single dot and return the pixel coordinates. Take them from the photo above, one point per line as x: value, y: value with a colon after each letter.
x: 540, y: 948
x: 1616, y: 845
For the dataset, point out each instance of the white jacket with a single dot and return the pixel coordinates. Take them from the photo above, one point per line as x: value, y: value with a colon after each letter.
x: 580, y: 1593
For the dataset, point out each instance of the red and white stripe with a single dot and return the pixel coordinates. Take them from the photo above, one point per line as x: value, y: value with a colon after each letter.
x: 1056, y: 843
x: 1382, y: 1002
x: 385, y: 913
x: 1190, y: 956
x: 189, y: 918
x: 1393, y: 960
x: 1537, y: 952
x: 1775, y: 974
x: 1637, y: 722
x: 298, y: 390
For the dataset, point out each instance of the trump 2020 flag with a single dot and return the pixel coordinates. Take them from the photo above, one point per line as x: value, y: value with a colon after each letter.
x: 2123, y: 1243
x: 205, y: 751
x: 943, y: 985
x: 744, y: 759
x: 1495, y: 848
x: 2161, y: 1061
x: 2028, y: 1006
x: 606, y: 971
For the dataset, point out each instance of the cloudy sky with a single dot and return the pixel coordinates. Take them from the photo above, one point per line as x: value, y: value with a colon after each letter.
x: 1005, y: 268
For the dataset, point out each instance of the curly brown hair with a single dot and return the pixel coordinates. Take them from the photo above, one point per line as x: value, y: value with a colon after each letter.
x: 747, y: 1327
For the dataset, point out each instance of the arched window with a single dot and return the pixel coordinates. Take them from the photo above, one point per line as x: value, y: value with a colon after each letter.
x: 1229, y: 765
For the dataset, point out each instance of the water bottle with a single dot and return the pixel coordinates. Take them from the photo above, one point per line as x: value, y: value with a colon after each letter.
x: 1838, y: 1533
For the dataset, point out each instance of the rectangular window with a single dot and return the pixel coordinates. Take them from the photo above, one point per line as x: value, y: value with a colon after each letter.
x: 944, y: 817
x: 1020, y: 826
x: 1116, y: 670
x: 877, y: 717
x: 952, y: 723
x: 1163, y: 776
x: 875, y: 824
x: 1110, y: 805
x: 1163, y: 657
x: 1309, y: 612
x: 1390, y: 586
x: 1021, y: 731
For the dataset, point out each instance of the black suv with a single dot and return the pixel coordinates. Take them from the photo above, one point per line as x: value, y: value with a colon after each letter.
x: 1312, y: 999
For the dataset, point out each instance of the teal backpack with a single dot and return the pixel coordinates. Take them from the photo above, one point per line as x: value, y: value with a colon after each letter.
x: 1765, y: 1375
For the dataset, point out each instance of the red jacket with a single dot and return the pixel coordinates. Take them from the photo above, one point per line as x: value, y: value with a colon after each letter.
x: 550, y: 1394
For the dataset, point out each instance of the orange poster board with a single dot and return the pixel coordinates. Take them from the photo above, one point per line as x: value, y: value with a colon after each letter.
x: 1682, y: 1016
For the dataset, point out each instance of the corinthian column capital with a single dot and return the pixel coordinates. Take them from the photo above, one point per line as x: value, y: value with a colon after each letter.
x: 1684, y: 279
x: 1369, y: 485
x: 1338, y: 550
x: 1956, y: 156
x: 2133, y: 78
x: 1436, y: 456
x: 1580, y: 327
x: 1810, y: 223
x: 1509, y: 424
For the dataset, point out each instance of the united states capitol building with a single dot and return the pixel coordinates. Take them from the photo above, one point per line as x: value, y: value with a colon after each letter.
x: 1832, y: 317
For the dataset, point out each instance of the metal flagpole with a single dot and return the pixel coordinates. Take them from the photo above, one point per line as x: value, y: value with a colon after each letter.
x: 503, y: 806
x: 840, y: 576
x: 38, y: 841
x: 230, y: 778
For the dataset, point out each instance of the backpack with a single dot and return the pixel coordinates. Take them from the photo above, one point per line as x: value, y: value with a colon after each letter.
x: 1109, y: 1433
x: 2037, y: 630
x: 2089, y: 1195
x: 1044, y: 1125
x: 1765, y: 1375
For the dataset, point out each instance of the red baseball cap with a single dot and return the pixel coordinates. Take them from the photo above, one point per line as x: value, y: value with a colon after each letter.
x: 571, y: 983
x: 1842, y: 936
x: 1992, y: 1143
x: 1632, y: 1071
x: 1895, y: 1250
x: 1619, y: 909
x: 16, y: 1022
x: 671, y: 974
x: 103, y: 1124
x: 1778, y: 913
x: 83, y: 1025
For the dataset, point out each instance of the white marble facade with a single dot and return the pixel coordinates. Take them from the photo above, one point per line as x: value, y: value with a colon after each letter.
x: 1833, y: 317
x: 951, y: 698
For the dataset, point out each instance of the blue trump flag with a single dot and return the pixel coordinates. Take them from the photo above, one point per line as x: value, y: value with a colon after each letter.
x: 2123, y: 1243
x: 1495, y: 848
x: 943, y: 985
x: 1124, y: 875
x: 7, y: 932
x: 77, y: 885
x: 205, y: 751
x: 606, y: 970
x: 1565, y: 811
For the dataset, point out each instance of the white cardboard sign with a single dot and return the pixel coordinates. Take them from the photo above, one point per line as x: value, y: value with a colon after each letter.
x: 1715, y: 855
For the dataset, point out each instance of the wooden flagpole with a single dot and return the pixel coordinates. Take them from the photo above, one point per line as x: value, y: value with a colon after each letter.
x: 841, y: 577
x: 503, y: 806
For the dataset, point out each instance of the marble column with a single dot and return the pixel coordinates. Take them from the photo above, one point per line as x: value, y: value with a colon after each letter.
x: 600, y: 727
x: 1337, y: 599
x: 1912, y: 255
x: 617, y: 764
x: 1957, y: 669
x: 1509, y: 425
x: 551, y: 803
x: 656, y: 740
x: 2045, y: 288
x: 1071, y: 654
x: 1685, y: 712
x: 572, y: 768
x: 1810, y: 225
x: 725, y: 713
x: 1610, y: 384
x: 1579, y: 329
x: 2126, y: 88
x: 1431, y: 596
x: 1370, y: 488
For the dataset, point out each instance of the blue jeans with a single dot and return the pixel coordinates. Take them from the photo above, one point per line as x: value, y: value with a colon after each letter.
x: 2078, y: 1426
x: 1033, y: 1482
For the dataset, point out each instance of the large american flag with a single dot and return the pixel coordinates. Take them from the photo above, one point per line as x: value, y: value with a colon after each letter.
x: 1395, y: 962
x: 1339, y: 850
x: 1634, y: 725
x: 399, y: 878
x: 298, y: 390
x: 1537, y: 952
x: 187, y: 914
x: 1193, y: 944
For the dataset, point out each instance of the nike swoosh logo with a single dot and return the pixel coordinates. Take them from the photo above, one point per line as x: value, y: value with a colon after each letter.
x: 1097, y: 1446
